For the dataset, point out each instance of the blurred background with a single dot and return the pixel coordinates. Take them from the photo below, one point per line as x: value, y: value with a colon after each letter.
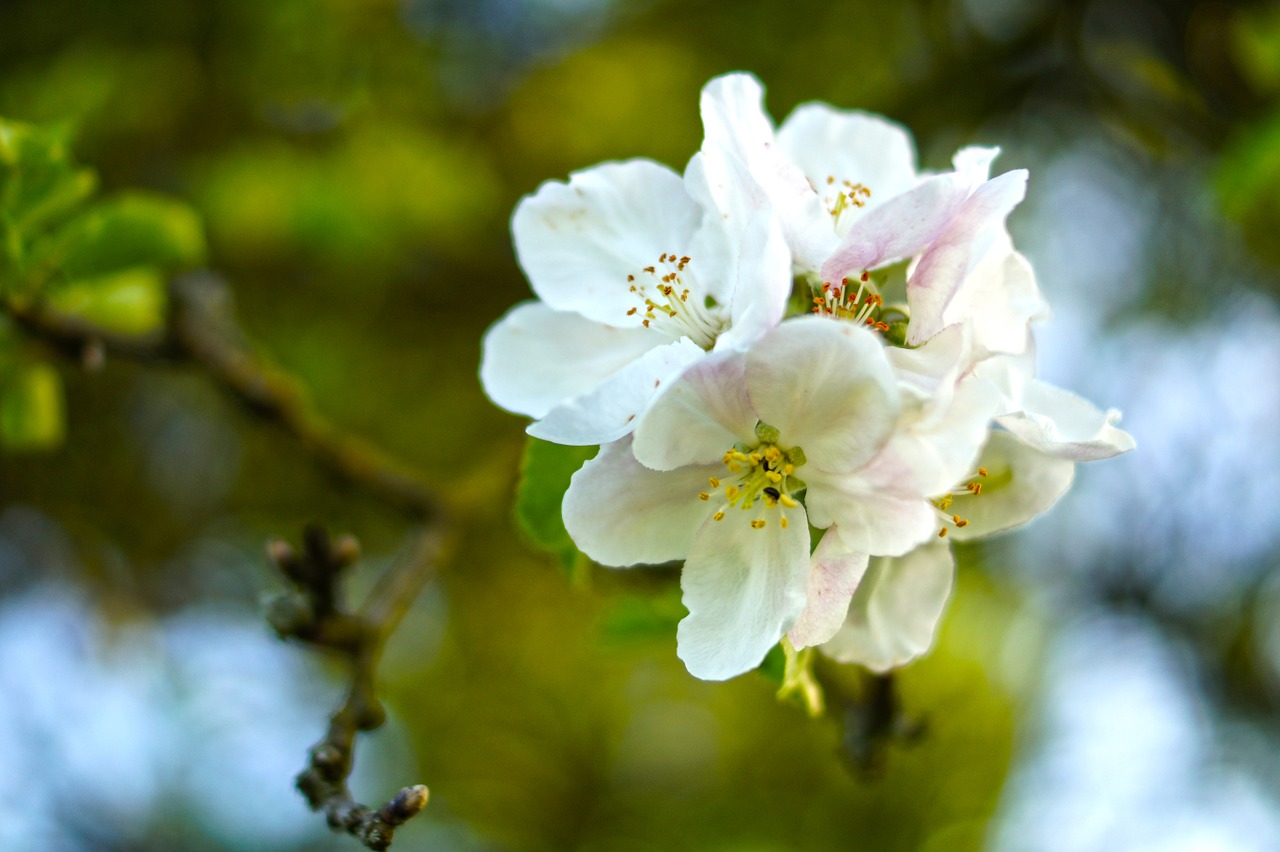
x: 1106, y: 679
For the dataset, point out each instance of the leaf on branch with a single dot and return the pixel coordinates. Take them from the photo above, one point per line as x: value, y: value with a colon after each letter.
x: 129, y: 302
x: 544, y: 478
x: 31, y: 411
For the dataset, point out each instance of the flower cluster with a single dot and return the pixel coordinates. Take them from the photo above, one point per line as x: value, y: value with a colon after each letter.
x: 803, y: 332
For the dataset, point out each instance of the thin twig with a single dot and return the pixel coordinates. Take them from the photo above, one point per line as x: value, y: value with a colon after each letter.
x: 201, y: 331
x: 313, y: 613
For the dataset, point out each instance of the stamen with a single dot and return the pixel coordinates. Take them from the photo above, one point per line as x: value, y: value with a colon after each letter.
x: 757, y: 524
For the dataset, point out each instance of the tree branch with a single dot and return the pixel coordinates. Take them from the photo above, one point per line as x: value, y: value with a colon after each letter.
x: 201, y: 330
x: 313, y: 613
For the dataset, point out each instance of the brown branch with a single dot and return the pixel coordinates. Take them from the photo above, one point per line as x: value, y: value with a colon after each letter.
x: 201, y: 331
x: 313, y: 613
x: 870, y: 713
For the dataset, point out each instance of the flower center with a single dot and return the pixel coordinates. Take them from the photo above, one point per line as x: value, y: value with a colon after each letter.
x: 666, y: 302
x: 942, y: 505
x: 842, y: 196
x: 841, y: 301
x: 764, y: 476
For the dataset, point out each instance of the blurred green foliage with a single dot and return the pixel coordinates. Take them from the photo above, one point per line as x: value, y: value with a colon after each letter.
x: 354, y: 163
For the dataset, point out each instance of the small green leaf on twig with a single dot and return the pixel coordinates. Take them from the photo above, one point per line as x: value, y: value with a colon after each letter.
x: 544, y: 478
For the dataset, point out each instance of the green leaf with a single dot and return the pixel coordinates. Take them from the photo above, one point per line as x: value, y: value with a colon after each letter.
x: 31, y: 412
x: 774, y: 665
x: 128, y: 231
x: 128, y: 302
x: 544, y: 477
x: 38, y: 180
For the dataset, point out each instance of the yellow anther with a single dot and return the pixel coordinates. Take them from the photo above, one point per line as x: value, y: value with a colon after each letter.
x: 975, y: 488
x: 754, y: 458
x: 982, y: 471
x: 715, y: 483
x: 773, y: 476
x: 772, y: 454
x: 757, y: 524
x: 961, y: 522
x: 942, y: 533
x: 732, y: 492
x: 741, y: 456
x: 788, y: 469
x: 785, y: 523
x: 788, y: 501
x: 702, y: 495
x: 718, y: 516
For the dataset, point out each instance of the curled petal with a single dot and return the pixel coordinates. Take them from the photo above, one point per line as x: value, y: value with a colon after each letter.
x: 619, y: 512
x: 744, y: 588
x: 739, y: 138
x: 998, y: 299
x: 698, y: 416
x: 1021, y: 482
x: 955, y: 251
x: 578, y: 242
x: 610, y: 410
x: 827, y: 386
x: 834, y: 573
x: 535, y: 358
x: 895, y: 610
x: 1062, y: 424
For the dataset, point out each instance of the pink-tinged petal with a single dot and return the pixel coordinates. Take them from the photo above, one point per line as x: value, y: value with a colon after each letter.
x: 871, y: 511
x: 698, y: 416
x: 831, y: 146
x: 896, y: 609
x: 827, y: 387
x: 744, y: 589
x: 954, y: 253
x: 611, y: 409
x: 899, y: 228
x: 1020, y: 483
x: 739, y: 137
x: 998, y: 299
x: 535, y: 358
x: 834, y: 573
x: 620, y: 513
x: 763, y: 282
x: 1062, y: 424
x: 578, y: 242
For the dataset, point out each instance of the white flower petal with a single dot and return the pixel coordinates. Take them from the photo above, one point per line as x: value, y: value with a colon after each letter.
x: 610, y: 410
x: 998, y: 299
x: 698, y: 416
x: 740, y: 135
x: 744, y: 588
x: 619, y: 512
x: 834, y: 573
x: 850, y: 146
x: 535, y: 358
x: 957, y: 249
x: 872, y: 511
x: 895, y: 610
x: 763, y: 282
x: 578, y: 242
x: 1058, y: 422
x: 1021, y: 483
x: 827, y: 387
